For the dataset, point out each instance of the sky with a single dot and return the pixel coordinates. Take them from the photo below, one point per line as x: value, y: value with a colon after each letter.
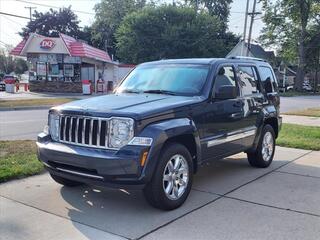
x: 10, y: 26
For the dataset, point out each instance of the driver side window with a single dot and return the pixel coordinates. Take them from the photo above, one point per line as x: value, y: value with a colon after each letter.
x: 225, y: 77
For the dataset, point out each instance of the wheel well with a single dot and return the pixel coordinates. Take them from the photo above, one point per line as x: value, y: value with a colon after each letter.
x: 274, y: 124
x: 189, y: 142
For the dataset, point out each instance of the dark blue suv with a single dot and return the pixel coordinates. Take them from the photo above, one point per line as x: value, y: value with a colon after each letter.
x: 164, y: 120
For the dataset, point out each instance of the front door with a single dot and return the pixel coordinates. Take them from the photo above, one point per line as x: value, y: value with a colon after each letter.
x: 220, y: 120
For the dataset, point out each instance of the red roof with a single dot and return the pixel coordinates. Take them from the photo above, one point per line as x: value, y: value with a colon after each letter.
x: 75, y: 49
x: 17, y: 50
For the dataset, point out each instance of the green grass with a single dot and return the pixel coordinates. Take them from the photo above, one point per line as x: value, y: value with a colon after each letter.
x: 34, y: 102
x: 18, y: 159
x: 298, y: 136
x: 310, y: 112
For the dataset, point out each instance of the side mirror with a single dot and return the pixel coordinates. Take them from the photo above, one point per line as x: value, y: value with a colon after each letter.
x: 226, y: 92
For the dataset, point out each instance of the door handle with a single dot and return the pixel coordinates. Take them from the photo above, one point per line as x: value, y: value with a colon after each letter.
x: 236, y: 115
x: 238, y: 104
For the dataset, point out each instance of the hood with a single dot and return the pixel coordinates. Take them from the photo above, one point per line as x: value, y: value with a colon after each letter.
x: 128, y: 104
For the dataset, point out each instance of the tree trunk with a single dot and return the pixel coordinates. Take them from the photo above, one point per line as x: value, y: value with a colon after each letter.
x: 302, y: 60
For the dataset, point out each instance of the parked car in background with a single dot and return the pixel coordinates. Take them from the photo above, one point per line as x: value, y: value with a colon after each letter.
x: 165, y: 119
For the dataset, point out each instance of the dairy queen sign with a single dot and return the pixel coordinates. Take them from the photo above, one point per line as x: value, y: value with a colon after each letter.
x: 47, y: 44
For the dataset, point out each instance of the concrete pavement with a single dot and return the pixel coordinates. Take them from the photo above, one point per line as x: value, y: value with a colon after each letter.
x: 229, y: 200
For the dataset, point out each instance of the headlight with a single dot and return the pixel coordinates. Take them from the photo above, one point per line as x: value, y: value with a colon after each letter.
x: 54, y: 126
x: 121, y: 132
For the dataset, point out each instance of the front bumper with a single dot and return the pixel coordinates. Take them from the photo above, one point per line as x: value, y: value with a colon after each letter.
x: 93, y: 166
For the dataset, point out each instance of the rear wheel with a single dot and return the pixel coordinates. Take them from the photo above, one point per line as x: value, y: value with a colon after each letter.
x: 64, y: 181
x: 172, y: 180
x: 264, y: 153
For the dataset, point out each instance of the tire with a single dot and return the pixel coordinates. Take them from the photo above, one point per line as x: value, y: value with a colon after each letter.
x: 64, y: 181
x: 166, y: 177
x: 264, y: 153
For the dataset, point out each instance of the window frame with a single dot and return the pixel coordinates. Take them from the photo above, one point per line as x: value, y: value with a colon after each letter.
x: 274, y: 79
x: 256, y: 76
x: 212, y: 94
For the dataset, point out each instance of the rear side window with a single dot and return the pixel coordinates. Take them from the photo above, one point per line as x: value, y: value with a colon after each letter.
x: 248, y: 80
x: 268, y: 81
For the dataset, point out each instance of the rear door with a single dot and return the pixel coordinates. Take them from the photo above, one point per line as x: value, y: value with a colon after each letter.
x: 253, y: 100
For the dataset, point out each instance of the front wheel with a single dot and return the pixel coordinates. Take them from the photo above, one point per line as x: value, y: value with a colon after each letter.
x: 264, y: 153
x: 172, y: 179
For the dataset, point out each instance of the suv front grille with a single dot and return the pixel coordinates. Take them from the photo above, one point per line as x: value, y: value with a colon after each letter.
x: 84, y: 131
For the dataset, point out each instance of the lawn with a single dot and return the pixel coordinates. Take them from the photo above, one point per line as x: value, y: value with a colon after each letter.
x: 297, y: 136
x: 310, y: 112
x: 34, y: 102
x: 18, y: 159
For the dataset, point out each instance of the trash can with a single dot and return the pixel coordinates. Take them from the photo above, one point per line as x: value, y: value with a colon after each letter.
x: 10, y: 85
x: 86, y: 87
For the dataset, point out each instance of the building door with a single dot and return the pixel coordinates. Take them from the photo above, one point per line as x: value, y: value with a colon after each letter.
x: 87, y: 73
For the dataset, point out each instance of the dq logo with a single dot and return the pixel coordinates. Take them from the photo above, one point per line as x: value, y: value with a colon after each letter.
x: 47, y: 44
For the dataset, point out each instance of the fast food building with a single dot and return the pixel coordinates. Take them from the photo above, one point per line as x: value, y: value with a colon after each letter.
x: 67, y: 65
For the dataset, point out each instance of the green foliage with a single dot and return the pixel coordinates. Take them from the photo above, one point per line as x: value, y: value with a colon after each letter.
x: 20, y: 66
x: 6, y: 63
x: 53, y: 22
x: 218, y: 8
x: 109, y: 15
x: 284, y: 22
x: 169, y: 31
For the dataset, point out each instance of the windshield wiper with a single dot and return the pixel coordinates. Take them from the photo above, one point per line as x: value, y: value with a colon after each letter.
x: 130, y: 91
x: 158, y: 91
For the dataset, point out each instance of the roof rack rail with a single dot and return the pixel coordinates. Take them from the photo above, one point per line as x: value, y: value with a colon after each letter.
x: 248, y: 58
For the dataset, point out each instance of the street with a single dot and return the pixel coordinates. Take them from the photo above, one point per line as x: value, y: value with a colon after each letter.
x: 21, y: 125
x: 229, y: 200
x: 16, y: 125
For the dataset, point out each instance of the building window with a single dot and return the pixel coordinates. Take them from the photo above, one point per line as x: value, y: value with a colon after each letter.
x: 68, y: 70
x: 41, y: 69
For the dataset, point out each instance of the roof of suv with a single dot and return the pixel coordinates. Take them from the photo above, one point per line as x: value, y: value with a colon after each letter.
x: 207, y: 61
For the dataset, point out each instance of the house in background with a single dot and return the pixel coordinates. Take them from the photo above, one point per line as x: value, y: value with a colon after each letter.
x: 254, y: 50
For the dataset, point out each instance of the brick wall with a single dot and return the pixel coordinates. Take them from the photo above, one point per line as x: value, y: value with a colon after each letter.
x: 58, y: 87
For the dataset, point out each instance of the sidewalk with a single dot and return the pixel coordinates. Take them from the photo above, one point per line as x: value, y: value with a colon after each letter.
x: 32, y: 95
x: 301, y: 120
x: 229, y: 200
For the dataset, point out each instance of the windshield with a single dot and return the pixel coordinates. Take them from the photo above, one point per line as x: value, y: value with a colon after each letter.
x: 171, y: 79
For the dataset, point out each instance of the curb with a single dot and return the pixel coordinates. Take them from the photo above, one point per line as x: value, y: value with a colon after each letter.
x: 20, y: 108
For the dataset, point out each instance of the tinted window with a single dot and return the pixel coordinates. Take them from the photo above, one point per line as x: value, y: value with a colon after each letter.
x: 268, y: 81
x: 248, y: 80
x: 179, y: 79
x: 225, y: 77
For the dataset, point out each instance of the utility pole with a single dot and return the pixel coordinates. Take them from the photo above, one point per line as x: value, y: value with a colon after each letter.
x: 30, y: 11
x: 253, y: 14
x: 245, y: 27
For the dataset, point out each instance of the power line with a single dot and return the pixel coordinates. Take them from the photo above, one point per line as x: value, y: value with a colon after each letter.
x: 13, y: 15
x: 51, y: 6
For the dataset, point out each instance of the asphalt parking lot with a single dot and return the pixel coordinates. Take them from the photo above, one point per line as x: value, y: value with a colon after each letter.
x: 229, y: 200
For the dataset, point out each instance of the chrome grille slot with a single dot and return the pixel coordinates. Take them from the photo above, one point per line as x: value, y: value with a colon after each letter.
x: 84, y: 131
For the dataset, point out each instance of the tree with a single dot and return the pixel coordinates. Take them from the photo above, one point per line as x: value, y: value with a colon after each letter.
x: 287, y: 26
x: 219, y: 8
x: 109, y: 14
x: 52, y: 22
x: 6, y: 63
x: 20, y: 66
x: 171, y: 32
